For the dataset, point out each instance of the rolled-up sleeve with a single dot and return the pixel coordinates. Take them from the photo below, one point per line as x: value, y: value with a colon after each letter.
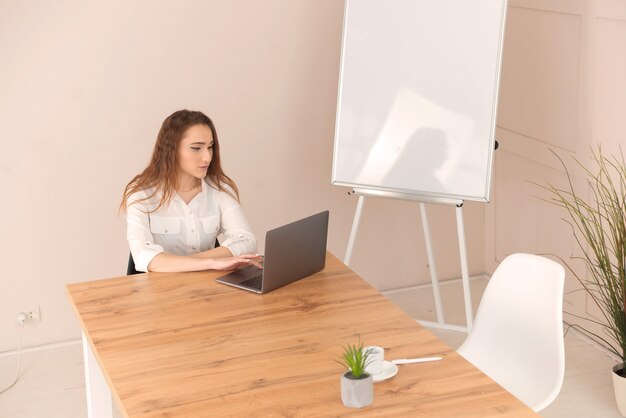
x: 140, y: 239
x: 235, y: 228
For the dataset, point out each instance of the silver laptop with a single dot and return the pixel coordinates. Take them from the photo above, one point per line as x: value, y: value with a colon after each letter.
x: 292, y: 252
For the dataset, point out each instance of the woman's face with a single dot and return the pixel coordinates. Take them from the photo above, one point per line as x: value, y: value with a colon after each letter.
x: 195, y: 151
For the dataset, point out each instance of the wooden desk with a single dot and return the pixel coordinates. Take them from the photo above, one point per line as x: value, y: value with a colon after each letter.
x: 182, y: 345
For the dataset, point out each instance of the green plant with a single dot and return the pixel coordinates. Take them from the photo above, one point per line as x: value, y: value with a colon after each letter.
x: 355, y: 358
x: 599, y: 227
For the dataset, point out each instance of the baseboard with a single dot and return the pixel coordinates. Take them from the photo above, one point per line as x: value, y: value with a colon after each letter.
x: 41, y: 347
x: 592, y: 343
x: 441, y: 283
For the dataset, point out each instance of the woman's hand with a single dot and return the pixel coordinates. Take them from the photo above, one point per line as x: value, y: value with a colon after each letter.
x: 233, y: 263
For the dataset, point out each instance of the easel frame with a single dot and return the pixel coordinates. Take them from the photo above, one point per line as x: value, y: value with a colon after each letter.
x: 422, y: 200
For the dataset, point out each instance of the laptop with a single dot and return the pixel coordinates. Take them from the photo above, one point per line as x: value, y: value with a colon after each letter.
x: 292, y: 252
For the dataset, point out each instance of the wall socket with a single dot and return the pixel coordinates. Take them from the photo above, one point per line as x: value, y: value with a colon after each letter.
x: 33, y: 314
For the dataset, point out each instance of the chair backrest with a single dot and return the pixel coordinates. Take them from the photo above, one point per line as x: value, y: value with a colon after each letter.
x: 130, y: 269
x: 517, y: 337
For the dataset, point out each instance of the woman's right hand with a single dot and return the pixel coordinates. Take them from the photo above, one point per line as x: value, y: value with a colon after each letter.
x: 233, y: 263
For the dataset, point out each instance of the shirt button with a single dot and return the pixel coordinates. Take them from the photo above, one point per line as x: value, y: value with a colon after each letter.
x: 190, y: 212
x: 166, y: 231
x: 193, y: 248
x: 193, y: 230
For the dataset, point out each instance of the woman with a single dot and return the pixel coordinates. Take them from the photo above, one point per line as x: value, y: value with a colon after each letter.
x: 182, y: 201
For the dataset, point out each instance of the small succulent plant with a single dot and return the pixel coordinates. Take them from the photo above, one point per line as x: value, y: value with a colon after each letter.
x: 356, y: 358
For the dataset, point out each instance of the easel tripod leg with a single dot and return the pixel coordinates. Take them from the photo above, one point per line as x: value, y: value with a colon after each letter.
x: 355, y: 227
x: 464, y: 269
x: 431, y: 265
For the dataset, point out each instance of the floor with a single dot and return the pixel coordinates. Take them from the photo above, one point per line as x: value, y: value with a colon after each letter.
x: 51, y: 383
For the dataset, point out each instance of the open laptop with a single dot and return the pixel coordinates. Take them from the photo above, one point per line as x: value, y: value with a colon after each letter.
x: 292, y: 252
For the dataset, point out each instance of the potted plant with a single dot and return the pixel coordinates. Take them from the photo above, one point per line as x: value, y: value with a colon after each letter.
x: 357, y: 387
x: 599, y: 227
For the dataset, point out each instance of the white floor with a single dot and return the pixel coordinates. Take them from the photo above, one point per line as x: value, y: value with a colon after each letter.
x: 52, y: 385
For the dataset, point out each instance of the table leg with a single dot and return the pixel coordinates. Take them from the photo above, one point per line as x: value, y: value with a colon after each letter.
x: 99, y: 404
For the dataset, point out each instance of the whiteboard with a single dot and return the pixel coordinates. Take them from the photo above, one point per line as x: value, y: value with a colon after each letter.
x: 418, y: 89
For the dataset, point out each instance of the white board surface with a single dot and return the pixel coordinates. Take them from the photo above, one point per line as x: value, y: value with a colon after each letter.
x: 418, y: 90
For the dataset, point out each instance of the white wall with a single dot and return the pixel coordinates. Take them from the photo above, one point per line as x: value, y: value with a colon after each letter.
x: 84, y: 88
x: 563, y: 89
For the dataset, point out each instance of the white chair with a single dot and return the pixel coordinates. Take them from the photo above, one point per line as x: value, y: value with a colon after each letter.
x: 517, y: 337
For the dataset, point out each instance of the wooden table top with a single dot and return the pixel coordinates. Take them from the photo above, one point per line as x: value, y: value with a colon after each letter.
x: 182, y: 345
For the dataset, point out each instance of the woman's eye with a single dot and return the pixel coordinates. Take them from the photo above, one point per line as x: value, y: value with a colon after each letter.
x: 211, y: 146
x: 195, y: 148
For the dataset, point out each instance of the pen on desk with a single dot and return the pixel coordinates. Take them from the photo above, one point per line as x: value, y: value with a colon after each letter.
x: 415, y: 360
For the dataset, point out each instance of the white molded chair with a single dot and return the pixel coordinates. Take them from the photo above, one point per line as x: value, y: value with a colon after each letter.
x: 517, y: 337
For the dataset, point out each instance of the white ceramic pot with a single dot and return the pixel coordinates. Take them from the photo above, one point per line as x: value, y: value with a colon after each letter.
x: 619, y: 385
x: 357, y: 393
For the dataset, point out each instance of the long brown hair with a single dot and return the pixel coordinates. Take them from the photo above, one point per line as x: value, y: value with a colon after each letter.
x: 162, y: 174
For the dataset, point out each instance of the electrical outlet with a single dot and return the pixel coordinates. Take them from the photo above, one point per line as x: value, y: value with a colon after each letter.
x: 33, y: 314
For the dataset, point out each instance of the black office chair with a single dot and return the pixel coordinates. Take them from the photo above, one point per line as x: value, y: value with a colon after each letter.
x: 130, y: 270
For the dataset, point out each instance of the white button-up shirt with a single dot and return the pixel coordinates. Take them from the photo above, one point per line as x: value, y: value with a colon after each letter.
x: 186, y: 229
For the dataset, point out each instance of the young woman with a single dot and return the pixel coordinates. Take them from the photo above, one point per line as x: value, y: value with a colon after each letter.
x: 182, y: 201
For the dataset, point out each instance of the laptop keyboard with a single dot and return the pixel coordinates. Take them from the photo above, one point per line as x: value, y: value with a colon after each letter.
x: 253, y: 283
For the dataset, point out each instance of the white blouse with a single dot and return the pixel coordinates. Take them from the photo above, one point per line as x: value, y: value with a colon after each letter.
x: 186, y: 229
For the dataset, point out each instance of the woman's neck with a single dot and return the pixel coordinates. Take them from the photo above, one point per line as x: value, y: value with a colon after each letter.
x: 188, y: 184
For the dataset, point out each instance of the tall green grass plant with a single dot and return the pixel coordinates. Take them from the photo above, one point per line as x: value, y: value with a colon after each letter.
x: 599, y: 227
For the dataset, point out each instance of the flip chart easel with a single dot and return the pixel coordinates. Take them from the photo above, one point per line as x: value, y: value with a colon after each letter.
x: 422, y: 200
